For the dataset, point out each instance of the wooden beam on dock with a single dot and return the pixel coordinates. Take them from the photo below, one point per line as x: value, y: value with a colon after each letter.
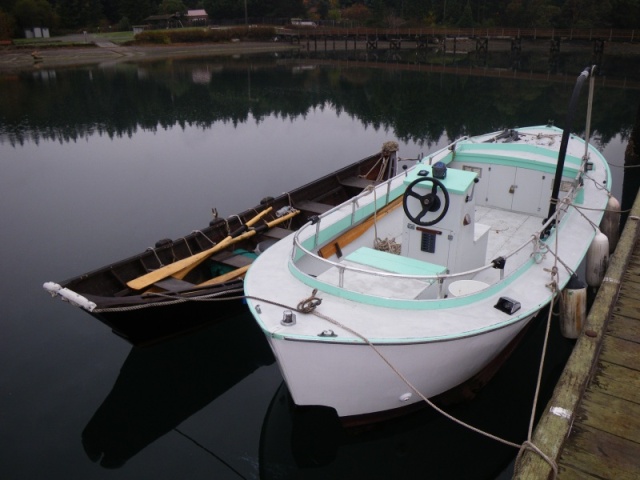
x: 591, y: 428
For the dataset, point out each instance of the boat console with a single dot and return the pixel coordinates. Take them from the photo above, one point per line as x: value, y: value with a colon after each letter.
x: 440, y: 225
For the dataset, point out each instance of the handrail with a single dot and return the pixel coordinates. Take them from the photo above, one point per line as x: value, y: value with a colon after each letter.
x: 297, y: 245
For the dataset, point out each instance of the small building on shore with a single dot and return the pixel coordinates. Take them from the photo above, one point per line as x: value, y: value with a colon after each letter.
x: 163, y: 21
x: 197, y: 17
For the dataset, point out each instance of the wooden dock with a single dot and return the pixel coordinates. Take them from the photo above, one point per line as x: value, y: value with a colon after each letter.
x: 422, y: 38
x: 591, y: 426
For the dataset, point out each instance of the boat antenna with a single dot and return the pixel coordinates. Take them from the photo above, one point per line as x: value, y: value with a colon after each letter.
x: 562, y: 153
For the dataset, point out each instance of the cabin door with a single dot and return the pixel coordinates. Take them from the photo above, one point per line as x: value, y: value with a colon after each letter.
x: 518, y: 189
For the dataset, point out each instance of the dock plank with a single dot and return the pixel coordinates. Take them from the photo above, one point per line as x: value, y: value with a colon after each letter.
x: 617, y: 381
x: 593, y: 453
x: 628, y: 303
x: 624, y: 327
x: 610, y: 414
x: 621, y: 352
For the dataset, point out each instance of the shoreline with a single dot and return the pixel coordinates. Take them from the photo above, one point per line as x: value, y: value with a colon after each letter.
x: 104, y: 53
x: 25, y: 59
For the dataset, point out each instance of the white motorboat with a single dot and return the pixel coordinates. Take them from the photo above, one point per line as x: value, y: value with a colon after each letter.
x: 413, y: 287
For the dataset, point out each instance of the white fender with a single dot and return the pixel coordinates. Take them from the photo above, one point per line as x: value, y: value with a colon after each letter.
x: 610, y: 224
x: 69, y: 295
x: 597, y: 259
x: 573, y: 314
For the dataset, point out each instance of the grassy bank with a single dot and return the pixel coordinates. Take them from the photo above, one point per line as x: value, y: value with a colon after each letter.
x: 204, y: 35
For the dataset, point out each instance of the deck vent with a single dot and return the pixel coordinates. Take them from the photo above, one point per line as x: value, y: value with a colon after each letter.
x: 507, y: 305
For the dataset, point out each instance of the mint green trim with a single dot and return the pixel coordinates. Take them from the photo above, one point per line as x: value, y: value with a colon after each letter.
x: 457, y: 182
x: 482, y: 153
x: 408, y: 304
x: 394, y: 263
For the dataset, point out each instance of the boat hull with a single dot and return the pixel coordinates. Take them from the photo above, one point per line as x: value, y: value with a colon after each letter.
x: 376, y: 329
x: 361, y: 379
x: 164, y: 320
x: 146, y: 315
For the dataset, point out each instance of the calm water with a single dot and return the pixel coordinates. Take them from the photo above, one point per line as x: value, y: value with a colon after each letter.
x: 100, y: 162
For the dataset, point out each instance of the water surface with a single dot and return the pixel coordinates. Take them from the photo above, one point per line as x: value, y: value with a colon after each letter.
x: 100, y: 163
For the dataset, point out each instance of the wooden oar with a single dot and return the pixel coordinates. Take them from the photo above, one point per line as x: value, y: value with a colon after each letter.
x: 350, y: 235
x: 233, y: 274
x: 163, y: 272
x: 260, y: 228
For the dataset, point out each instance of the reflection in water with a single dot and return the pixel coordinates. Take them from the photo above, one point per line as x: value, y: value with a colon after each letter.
x: 159, y: 387
x: 452, y: 95
x: 310, y: 443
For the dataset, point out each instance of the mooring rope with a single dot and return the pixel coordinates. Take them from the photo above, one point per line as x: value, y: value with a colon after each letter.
x: 387, y: 244
x: 174, y: 300
x: 309, y: 305
x: 528, y: 444
x: 408, y: 382
x: 210, y: 452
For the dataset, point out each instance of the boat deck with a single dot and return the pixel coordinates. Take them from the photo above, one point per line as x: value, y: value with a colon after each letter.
x: 508, y: 230
x: 591, y: 427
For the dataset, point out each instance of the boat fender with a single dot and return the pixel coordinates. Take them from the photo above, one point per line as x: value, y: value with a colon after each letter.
x: 69, y: 295
x: 610, y: 224
x: 573, y: 311
x: 597, y: 259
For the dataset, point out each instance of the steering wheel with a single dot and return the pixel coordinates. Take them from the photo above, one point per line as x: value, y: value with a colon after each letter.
x: 430, y: 202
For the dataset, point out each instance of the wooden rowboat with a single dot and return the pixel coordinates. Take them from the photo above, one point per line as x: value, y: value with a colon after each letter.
x: 199, y: 277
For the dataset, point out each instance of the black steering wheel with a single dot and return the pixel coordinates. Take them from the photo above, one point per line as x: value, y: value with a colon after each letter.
x: 429, y: 202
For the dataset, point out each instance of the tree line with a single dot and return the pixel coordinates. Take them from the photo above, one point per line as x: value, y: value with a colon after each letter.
x: 422, y: 107
x: 74, y: 15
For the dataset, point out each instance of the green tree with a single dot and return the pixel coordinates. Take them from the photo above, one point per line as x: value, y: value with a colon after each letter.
x: 79, y: 13
x: 357, y: 12
x: 217, y: 9
x: 7, y: 25
x: 34, y: 13
x: 466, y: 20
x: 378, y: 11
x: 544, y: 14
x: 172, y: 6
x: 625, y: 13
x: 111, y: 11
x: 135, y: 10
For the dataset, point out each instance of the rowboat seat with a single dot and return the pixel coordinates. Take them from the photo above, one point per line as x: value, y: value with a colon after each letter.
x: 172, y: 284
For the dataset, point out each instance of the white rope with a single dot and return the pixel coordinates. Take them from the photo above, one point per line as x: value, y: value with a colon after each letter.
x: 413, y: 387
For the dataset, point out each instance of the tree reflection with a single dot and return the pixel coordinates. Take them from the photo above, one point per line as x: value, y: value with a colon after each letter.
x: 417, y: 103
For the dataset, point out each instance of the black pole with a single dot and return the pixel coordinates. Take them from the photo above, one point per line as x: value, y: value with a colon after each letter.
x: 562, y: 153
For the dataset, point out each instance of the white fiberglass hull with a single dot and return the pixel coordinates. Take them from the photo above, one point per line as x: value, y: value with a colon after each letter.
x: 386, y: 320
x: 356, y: 380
